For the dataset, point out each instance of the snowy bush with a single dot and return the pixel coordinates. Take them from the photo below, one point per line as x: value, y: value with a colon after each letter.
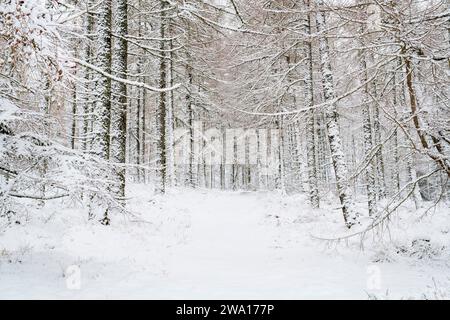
x: 36, y: 169
x: 422, y: 248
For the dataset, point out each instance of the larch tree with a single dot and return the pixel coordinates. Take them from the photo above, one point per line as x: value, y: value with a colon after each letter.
x: 118, y: 122
x: 332, y: 118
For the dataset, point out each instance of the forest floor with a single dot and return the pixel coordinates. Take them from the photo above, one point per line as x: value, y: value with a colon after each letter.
x: 206, y: 244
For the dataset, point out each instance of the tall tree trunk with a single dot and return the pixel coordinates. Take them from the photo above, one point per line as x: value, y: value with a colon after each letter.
x: 101, y: 138
x: 311, y: 121
x: 170, y: 119
x: 367, y: 133
x: 74, y: 116
x: 137, y: 130
x: 88, y: 56
x: 396, y: 155
x: 439, y: 156
x: 190, y: 112
x: 144, y: 133
x: 332, y: 117
x: 381, y: 181
x: 410, y: 165
x: 161, y: 118
x: 118, y: 128
x: 281, y: 157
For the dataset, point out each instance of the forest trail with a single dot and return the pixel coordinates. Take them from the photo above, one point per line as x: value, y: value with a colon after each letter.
x: 228, y: 245
x: 234, y: 248
x: 201, y: 244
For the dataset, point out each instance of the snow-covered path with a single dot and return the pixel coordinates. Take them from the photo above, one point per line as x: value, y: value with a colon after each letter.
x: 204, y: 245
x: 229, y: 250
x: 238, y: 248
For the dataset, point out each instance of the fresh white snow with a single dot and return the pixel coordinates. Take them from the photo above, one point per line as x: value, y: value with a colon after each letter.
x: 206, y: 244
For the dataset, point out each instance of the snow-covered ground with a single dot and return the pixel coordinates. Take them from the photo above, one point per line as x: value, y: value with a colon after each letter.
x: 206, y: 244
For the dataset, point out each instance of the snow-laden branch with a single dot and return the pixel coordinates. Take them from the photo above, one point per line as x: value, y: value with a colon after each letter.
x: 121, y: 80
x: 384, y: 214
x: 80, y: 13
x: 320, y: 105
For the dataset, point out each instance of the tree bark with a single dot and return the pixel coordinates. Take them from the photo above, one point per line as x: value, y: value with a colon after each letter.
x: 332, y: 116
x: 311, y: 121
x: 118, y: 128
x: 161, y: 118
x: 101, y: 137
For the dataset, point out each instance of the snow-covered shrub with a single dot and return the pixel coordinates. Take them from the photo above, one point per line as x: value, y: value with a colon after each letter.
x: 422, y: 248
x: 14, y: 256
x: 35, y: 168
x: 383, y: 255
x: 436, y: 291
